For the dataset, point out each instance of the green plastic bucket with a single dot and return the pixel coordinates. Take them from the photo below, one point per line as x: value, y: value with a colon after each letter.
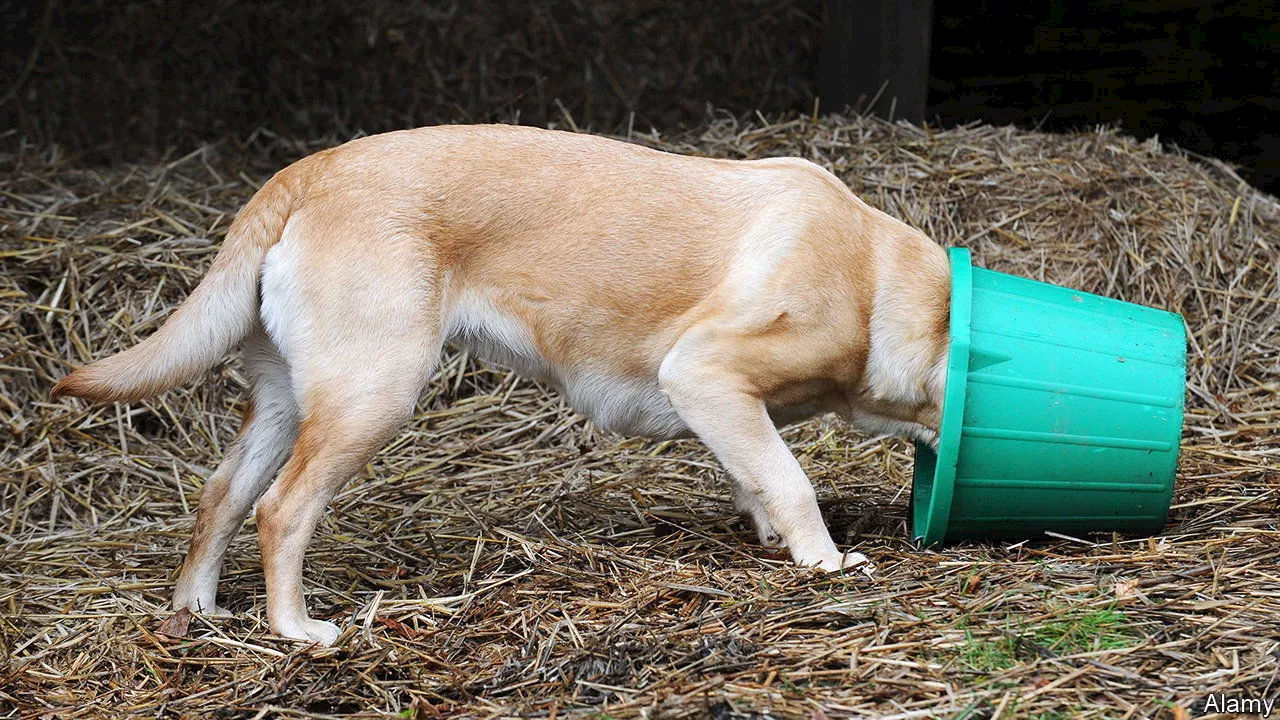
x: 1062, y: 413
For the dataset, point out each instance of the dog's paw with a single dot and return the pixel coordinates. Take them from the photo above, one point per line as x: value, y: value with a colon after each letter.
x: 308, y: 630
x: 859, y: 562
x: 767, y: 535
x: 753, y: 513
x: 847, y: 561
x: 205, y: 608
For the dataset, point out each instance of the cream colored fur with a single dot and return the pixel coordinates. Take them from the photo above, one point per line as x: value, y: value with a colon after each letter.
x: 663, y: 295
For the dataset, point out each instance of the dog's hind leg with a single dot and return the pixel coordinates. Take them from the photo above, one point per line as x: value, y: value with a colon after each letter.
x: 346, y: 417
x: 362, y: 334
x: 270, y: 427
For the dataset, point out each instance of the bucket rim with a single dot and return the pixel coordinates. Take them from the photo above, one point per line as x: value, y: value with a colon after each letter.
x: 930, y: 521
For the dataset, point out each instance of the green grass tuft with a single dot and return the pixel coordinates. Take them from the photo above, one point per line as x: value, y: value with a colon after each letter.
x: 1105, y: 629
x: 987, y: 655
x: 1075, y: 631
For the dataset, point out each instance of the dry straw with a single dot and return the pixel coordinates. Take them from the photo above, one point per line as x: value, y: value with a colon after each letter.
x: 503, y: 557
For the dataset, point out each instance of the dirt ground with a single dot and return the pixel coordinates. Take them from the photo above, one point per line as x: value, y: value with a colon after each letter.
x: 504, y: 558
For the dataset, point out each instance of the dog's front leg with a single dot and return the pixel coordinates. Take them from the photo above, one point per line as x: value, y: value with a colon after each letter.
x: 718, y: 407
x: 748, y: 505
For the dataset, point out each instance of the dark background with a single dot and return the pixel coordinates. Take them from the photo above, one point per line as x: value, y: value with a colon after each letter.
x: 1203, y: 75
x: 125, y: 79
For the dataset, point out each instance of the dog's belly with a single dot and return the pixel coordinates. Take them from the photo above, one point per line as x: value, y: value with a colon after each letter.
x: 624, y: 405
x: 627, y: 405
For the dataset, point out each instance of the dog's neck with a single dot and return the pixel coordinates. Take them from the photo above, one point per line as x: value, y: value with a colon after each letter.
x: 905, y: 377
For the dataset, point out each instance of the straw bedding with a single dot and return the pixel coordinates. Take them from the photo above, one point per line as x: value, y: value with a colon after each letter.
x: 502, y: 557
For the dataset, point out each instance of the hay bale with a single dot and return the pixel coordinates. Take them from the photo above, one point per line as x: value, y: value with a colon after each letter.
x: 502, y: 556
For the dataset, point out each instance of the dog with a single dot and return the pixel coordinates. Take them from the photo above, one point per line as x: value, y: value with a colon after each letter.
x: 663, y: 295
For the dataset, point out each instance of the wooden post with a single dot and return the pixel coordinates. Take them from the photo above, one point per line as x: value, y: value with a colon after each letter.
x: 875, y: 57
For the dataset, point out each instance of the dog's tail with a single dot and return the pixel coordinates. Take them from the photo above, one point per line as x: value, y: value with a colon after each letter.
x: 213, y: 319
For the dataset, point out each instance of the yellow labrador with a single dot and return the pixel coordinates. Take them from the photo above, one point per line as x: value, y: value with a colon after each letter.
x: 663, y: 295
